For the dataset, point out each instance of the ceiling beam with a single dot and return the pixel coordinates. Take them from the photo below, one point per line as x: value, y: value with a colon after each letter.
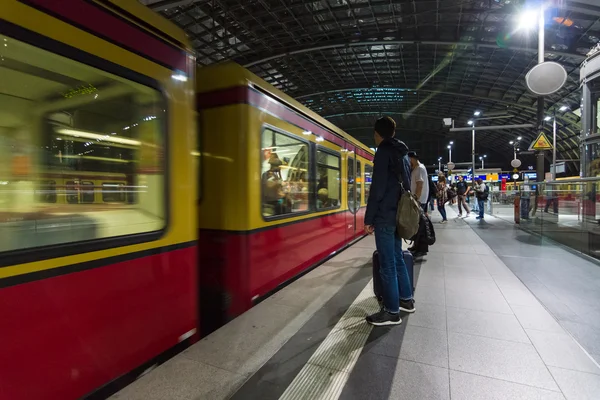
x: 473, y: 45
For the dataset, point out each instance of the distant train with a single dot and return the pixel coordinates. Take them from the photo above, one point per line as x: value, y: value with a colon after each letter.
x: 143, y: 202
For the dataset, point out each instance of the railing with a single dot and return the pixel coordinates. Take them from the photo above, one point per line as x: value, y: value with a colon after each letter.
x: 566, y: 211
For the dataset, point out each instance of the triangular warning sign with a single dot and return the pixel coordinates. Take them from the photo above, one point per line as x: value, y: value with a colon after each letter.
x: 541, y: 143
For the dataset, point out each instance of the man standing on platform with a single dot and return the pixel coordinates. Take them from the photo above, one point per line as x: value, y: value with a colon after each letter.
x: 389, y: 170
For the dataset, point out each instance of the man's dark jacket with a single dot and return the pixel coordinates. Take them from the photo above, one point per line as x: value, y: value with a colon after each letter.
x: 390, y: 163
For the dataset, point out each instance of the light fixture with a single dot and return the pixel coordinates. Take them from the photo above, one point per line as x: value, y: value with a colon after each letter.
x: 528, y: 20
x: 477, y: 113
x: 319, y: 139
x: 519, y: 138
x: 449, y: 146
x: 98, y: 137
x: 307, y: 133
x: 485, y: 156
x: 470, y: 122
x: 440, y: 159
x: 548, y: 118
x: 179, y: 76
x: 511, y: 142
x: 451, y: 143
x: 564, y: 108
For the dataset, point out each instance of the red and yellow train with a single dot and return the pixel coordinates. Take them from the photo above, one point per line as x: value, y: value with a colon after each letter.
x: 143, y: 202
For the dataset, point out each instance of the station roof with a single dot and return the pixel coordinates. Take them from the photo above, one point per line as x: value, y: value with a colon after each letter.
x: 416, y: 60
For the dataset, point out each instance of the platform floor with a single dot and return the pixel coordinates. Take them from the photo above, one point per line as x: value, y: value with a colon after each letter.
x: 501, y: 314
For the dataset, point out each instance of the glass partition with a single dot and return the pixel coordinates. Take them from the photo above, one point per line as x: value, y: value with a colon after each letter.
x: 566, y: 211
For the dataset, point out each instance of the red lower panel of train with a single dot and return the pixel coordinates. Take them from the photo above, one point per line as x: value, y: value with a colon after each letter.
x: 66, y: 336
x: 238, y: 267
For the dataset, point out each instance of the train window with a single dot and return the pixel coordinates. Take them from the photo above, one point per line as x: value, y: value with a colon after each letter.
x: 87, y: 192
x: 359, y: 180
x: 368, y: 178
x: 329, y: 191
x: 284, y: 175
x: 64, y: 128
x: 352, y: 185
x: 47, y: 192
x: 112, y: 192
x: 72, y: 192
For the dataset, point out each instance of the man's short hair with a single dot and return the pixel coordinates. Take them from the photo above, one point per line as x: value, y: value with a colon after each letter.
x: 385, y: 127
x: 412, y: 154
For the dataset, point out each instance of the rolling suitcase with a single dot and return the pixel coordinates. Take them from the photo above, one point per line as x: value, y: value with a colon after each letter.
x: 410, y: 266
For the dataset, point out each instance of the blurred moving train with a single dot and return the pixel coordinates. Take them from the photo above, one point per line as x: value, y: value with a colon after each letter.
x: 143, y: 203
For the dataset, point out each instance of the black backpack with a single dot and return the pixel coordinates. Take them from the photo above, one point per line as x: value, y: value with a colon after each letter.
x: 486, y: 193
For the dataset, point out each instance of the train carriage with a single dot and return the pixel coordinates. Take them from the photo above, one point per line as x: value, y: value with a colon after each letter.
x: 98, y: 267
x: 140, y: 204
x: 282, y: 190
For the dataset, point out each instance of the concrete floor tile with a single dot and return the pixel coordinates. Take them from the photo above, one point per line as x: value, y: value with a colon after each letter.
x: 474, y: 387
x: 183, y: 379
x: 427, y: 346
x: 536, y: 317
x: 377, y: 377
x: 430, y: 295
x: 560, y: 350
x: 577, y: 385
x: 461, y: 260
x: 451, y: 249
x: 458, y: 283
x: 428, y: 316
x: 247, y: 342
x: 510, y: 361
x: 468, y: 272
x: 492, y: 301
x: 428, y: 279
x: 495, y: 266
x: 520, y: 297
x: 413, y: 343
x: 587, y: 335
x: 492, y: 325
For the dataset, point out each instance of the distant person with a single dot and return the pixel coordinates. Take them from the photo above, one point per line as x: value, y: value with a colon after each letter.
x: 481, y: 192
x: 380, y: 218
x: 442, y: 197
x: 419, y: 182
x: 462, y: 192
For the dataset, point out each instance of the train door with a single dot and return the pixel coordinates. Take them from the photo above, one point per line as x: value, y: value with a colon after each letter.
x: 353, y: 201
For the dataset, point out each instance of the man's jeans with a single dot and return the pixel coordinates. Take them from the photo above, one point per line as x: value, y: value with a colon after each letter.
x: 395, y: 282
x: 481, y: 205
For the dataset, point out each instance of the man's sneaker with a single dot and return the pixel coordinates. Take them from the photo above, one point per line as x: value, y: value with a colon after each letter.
x: 383, y: 318
x: 407, y: 306
x: 468, y: 214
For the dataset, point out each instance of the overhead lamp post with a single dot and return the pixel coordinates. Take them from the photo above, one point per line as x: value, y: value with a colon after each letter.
x: 450, y: 151
x: 482, y: 159
x: 440, y: 164
x: 515, y: 145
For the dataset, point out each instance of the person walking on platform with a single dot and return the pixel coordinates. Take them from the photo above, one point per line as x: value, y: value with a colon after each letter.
x: 442, y: 197
x: 462, y: 191
x: 380, y: 218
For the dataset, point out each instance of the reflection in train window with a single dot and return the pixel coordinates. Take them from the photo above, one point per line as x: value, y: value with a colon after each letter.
x: 112, y: 192
x: 284, y: 174
x: 87, y: 192
x: 352, y: 206
x: 76, y: 125
x: 47, y: 192
x: 329, y: 190
x: 368, y: 178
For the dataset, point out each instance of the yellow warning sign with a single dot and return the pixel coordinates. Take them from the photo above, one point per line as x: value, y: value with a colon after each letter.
x: 541, y: 143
